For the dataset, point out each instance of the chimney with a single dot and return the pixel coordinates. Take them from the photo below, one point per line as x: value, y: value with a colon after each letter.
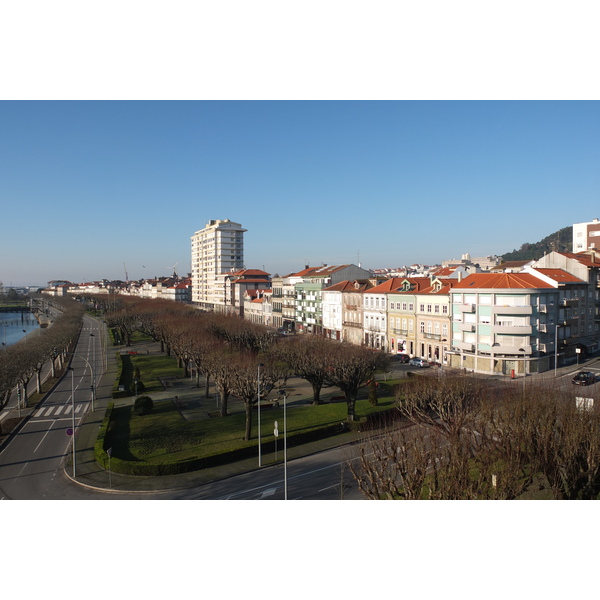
x: 459, y: 276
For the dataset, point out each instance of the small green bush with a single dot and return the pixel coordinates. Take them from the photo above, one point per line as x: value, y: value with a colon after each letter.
x: 143, y: 405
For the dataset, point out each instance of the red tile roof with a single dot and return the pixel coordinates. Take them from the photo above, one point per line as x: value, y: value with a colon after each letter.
x: 349, y: 286
x: 502, y: 281
x: 560, y: 275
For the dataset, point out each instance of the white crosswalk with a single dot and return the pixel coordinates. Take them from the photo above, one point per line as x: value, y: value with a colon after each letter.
x: 56, y: 410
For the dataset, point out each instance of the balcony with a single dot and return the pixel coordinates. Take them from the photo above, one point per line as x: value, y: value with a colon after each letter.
x: 467, y: 308
x: 468, y: 327
x: 352, y: 324
x: 515, y: 350
x: 512, y: 310
x: 568, y: 301
x: 464, y: 346
x: 512, y: 329
x: 431, y: 336
x: 400, y: 332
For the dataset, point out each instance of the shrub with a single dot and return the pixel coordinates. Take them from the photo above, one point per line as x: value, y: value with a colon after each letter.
x: 141, y: 388
x: 143, y: 405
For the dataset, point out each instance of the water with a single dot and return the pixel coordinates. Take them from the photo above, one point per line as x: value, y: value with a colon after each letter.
x: 12, y: 325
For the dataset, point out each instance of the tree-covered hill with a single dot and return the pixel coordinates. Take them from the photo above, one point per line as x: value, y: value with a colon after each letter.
x: 560, y: 241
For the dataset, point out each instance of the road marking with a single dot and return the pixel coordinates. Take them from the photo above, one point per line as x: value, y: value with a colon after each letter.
x: 47, y: 432
x: 79, y: 407
x: 60, y: 409
x: 268, y: 493
x: 3, y: 416
x: 68, y: 409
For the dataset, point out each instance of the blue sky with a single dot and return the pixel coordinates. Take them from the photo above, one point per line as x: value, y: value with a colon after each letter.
x: 89, y: 185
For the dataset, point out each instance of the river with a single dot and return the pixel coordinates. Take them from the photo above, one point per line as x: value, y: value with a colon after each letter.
x: 14, y: 326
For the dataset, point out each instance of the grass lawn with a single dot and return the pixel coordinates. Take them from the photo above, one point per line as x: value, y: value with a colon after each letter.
x: 165, y: 437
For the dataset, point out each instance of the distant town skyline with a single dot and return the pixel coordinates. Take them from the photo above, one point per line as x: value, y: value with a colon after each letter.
x: 94, y: 189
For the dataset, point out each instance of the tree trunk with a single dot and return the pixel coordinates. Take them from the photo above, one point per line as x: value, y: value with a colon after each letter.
x: 206, y: 383
x: 351, y: 402
x: 316, y: 394
x: 248, y: 433
x: 224, y: 399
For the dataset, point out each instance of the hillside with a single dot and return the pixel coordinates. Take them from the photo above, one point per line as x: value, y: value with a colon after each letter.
x: 561, y: 241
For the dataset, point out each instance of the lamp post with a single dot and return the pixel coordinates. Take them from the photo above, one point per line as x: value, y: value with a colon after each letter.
x: 73, y: 414
x: 524, y: 370
x: 258, y: 395
x: 93, y: 370
x: 284, y: 448
x: 556, y: 347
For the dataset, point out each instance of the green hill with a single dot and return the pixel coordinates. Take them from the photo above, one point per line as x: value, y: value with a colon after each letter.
x: 560, y: 241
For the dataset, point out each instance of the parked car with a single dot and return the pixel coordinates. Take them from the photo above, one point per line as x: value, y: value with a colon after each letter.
x: 418, y: 362
x: 584, y: 378
x: 401, y: 358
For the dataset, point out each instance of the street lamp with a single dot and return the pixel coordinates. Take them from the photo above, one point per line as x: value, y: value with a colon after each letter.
x: 93, y: 370
x: 258, y: 395
x: 73, y: 414
x: 556, y: 347
x: 524, y: 370
x: 284, y: 448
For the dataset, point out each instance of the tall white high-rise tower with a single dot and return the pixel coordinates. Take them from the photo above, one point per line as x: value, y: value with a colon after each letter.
x: 217, y: 250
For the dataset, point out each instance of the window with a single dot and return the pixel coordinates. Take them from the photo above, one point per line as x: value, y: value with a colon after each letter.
x: 444, y: 310
x: 422, y: 326
x: 411, y: 306
x: 437, y: 308
x: 429, y: 308
x: 404, y: 306
x: 421, y: 308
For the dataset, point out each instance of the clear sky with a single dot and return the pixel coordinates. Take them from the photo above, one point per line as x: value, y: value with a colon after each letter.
x: 89, y: 185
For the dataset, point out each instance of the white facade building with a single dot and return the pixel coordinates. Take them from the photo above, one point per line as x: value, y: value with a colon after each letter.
x: 217, y: 251
x: 586, y: 236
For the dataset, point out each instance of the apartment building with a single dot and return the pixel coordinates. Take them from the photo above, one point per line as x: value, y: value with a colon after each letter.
x: 240, y: 282
x: 284, y: 303
x: 433, y: 323
x: 309, y: 286
x: 585, y: 266
x: 586, y: 236
x: 342, y: 310
x: 401, y: 314
x: 217, y: 251
x: 513, y: 322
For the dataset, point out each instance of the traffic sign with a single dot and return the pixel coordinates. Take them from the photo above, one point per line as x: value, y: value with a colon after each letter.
x: 69, y: 431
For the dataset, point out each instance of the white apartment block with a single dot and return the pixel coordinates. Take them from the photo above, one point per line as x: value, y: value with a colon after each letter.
x: 586, y: 236
x: 217, y: 251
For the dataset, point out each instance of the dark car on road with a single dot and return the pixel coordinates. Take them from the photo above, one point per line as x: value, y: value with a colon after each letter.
x: 401, y: 358
x: 584, y: 378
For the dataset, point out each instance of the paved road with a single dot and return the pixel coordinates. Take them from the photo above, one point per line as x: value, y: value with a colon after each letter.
x: 32, y: 462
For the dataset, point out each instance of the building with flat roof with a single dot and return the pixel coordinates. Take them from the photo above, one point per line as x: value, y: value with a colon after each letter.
x: 217, y: 251
x: 586, y: 236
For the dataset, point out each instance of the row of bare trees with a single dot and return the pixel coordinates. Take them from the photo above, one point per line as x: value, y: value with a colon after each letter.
x: 228, y: 350
x: 469, y: 440
x: 22, y: 362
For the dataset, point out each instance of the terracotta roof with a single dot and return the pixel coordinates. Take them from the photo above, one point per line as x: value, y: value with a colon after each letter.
x: 393, y: 284
x: 560, y: 275
x: 583, y: 257
x: 502, y: 281
x: 444, y: 271
x: 249, y: 272
x: 349, y: 286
